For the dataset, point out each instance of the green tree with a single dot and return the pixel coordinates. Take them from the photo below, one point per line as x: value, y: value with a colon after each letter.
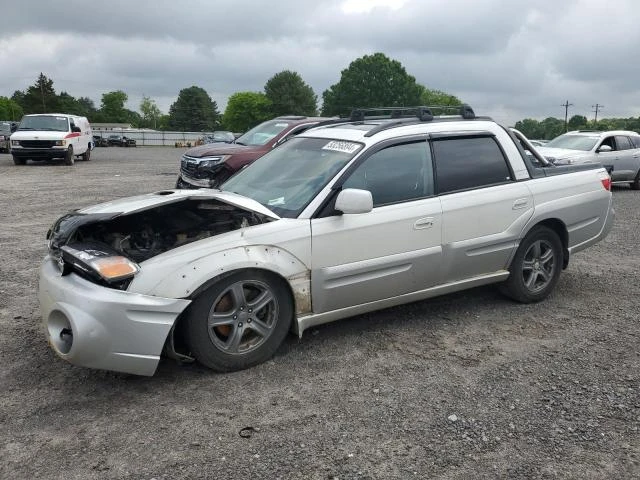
x: 371, y: 81
x: 10, y: 110
x: 530, y: 128
x: 245, y: 110
x: 193, y: 111
x: 112, y: 107
x: 39, y: 97
x: 290, y: 95
x: 150, y: 112
x: 552, y: 127
x: 438, y: 97
x: 577, y: 122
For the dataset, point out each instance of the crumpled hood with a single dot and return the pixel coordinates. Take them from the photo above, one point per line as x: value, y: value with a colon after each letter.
x: 210, y: 149
x: 150, y: 200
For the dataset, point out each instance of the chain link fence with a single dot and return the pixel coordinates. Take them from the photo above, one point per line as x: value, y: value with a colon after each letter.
x: 145, y: 138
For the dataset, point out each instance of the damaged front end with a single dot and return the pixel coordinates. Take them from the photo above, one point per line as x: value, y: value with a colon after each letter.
x: 106, y: 248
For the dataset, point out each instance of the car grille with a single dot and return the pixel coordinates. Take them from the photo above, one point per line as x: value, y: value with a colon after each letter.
x: 37, y: 143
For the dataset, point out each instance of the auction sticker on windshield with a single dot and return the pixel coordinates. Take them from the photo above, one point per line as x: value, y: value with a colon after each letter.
x: 344, y: 147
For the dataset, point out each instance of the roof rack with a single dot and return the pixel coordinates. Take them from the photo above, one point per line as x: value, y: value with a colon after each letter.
x: 424, y: 113
x: 398, y: 116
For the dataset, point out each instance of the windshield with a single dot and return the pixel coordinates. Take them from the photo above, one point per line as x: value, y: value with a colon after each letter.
x: 45, y: 122
x: 262, y: 133
x: 573, y: 142
x: 287, y: 178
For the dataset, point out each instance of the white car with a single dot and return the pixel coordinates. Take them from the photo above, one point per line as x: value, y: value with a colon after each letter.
x: 52, y: 135
x: 341, y: 220
x: 618, y: 150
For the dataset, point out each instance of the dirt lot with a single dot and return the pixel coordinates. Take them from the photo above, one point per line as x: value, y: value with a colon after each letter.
x: 465, y: 386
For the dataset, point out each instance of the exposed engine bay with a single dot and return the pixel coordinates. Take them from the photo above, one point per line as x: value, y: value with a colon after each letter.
x: 140, y: 236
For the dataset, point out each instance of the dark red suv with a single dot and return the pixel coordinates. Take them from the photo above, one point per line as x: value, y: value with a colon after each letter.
x: 209, y: 165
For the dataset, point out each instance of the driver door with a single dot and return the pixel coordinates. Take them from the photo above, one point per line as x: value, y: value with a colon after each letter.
x: 392, y: 250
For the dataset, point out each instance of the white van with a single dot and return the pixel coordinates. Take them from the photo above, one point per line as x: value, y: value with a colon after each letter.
x: 51, y: 135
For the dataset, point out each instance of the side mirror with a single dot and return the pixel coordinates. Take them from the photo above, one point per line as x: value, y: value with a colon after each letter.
x: 75, y: 129
x: 353, y: 200
x: 14, y: 127
x: 604, y: 148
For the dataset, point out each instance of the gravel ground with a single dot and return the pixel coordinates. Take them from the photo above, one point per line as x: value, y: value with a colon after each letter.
x: 469, y: 385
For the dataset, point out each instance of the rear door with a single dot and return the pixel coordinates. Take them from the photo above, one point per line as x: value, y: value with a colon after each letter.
x: 392, y: 250
x: 484, y: 210
x: 625, y: 167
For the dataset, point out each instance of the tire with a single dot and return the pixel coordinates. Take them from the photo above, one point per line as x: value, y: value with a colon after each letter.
x: 635, y: 185
x: 19, y: 161
x: 254, y: 311
x: 536, y: 267
x: 68, y: 158
x: 86, y: 156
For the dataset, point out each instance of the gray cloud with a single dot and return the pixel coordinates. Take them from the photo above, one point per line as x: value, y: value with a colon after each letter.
x: 508, y: 59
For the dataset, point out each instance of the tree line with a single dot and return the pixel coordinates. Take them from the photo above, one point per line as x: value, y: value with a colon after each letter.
x: 369, y: 81
x: 552, y: 127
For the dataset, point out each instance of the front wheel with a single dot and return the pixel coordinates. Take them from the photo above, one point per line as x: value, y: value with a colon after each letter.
x: 86, y: 156
x: 536, y: 266
x: 19, y: 161
x: 239, y: 321
x: 68, y: 158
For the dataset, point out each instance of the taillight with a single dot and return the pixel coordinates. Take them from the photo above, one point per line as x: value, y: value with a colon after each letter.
x: 606, y: 182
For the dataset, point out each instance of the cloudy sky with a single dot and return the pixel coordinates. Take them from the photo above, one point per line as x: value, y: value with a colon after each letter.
x: 508, y: 58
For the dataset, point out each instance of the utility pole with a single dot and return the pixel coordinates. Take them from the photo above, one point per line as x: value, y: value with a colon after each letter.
x: 566, y: 106
x: 596, y: 108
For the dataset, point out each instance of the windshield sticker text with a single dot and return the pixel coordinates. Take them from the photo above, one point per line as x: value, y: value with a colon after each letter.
x: 344, y: 147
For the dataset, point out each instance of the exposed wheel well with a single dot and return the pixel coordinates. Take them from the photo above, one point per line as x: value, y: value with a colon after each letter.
x: 560, y: 228
x: 175, y: 346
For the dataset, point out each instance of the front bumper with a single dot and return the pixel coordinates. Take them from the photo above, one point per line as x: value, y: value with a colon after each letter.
x: 39, y: 153
x: 97, y: 327
x: 185, y: 181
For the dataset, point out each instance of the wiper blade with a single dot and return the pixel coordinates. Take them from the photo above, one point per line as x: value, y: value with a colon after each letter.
x: 26, y: 128
x: 240, y: 143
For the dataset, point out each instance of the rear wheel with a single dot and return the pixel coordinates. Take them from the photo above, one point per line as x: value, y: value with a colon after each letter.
x: 19, y: 161
x: 536, y: 267
x: 68, y: 158
x: 86, y: 156
x: 239, y: 321
x: 635, y: 185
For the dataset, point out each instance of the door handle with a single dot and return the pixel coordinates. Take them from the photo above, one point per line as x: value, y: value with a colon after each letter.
x: 520, y: 203
x: 422, y: 223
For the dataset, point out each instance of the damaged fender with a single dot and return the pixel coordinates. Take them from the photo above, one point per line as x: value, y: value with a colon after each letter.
x: 190, y: 279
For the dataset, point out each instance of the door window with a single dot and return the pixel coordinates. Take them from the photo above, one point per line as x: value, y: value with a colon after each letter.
x: 398, y: 173
x: 471, y: 162
x: 623, y: 143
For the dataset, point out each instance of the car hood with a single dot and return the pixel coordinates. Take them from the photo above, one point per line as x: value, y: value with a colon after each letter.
x: 139, y: 203
x: 209, y: 149
x: 562, y: 153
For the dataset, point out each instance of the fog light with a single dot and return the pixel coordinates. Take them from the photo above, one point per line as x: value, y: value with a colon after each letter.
x: 60, y: 332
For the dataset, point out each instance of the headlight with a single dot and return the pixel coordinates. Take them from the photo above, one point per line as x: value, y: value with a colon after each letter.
x: 15, y: 143
x: 99, y: 262
x: 61, y: 143
x: 1, y: 138
x: 211, y: 161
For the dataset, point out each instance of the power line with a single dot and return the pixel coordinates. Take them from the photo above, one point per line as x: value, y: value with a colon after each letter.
x: 566, y: 106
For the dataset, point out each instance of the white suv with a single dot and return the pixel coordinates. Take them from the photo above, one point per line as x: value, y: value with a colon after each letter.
x: 618, y: 150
